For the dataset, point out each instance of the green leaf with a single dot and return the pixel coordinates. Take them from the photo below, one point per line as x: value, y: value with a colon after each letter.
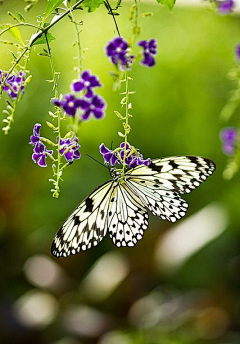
x: 51, y: 5
x: 168, y: 3
x: 92, y: 4
x: 16, y: 34
x: 42, y: 39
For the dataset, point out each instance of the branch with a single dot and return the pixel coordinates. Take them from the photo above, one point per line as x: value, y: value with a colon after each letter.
x: 47, y: 28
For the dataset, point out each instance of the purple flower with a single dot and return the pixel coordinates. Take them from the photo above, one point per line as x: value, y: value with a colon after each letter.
x: 131, y: 159
x: 86, y: 83
x: 108, y: 156
x: 14, y: 84
x: 94, y: 106
x: 149, y: 51
x: 70, y: 149
x: 117, y: 50
x: 36, y: 134
x: 225, y: 6
x: 40, y: 153
x: 229, y: 138
x: 70, y: 104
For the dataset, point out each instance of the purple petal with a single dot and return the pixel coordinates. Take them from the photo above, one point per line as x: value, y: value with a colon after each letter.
x: 103, y: 149
x: 98, y: 113
x: 86, y: 115
x: 78, y: 86
x: 34, y: 139
x: 83, y: 104
x: 114, y: 160
x: 143, y: 44
x: 94, y: 82
x: 86, y: 75
x: 36, y: 129
x: 98, y: 102
x: 107, y: 157
x: 89, y: 93
x: 42, y: 161
x: 69, y: 156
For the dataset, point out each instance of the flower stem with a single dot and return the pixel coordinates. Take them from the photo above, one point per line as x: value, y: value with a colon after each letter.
x: 125, y: 124
x: 78, y: 42
x: 58, y: 131
x: 113, y: 15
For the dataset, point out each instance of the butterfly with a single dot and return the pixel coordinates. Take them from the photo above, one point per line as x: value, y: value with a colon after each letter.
x: 120, y: 206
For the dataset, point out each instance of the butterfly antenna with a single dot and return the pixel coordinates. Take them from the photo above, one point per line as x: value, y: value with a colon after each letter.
x: 97, y: 161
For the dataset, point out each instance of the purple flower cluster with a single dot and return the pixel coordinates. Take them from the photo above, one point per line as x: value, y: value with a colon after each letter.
x: 118, y: 52
x: 225, y: 6
x: 149, y: 51
x: 117, y: 49
x: 131, y: 159
x: 88, y: 101
x: 40, y: 152
x: 14, y: 83
x: 229, y: 138
x: 70, y: 149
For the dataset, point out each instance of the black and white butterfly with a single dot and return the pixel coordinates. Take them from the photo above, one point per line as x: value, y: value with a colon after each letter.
x: 120, y: 207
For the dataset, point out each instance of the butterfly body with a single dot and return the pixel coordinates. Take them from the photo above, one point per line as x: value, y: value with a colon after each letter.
x: 120, y: 206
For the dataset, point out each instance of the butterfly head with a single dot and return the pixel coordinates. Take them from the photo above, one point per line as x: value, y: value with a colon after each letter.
x: 115, y: 174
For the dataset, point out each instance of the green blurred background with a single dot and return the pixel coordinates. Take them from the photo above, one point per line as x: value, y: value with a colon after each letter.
x: 181, y: 283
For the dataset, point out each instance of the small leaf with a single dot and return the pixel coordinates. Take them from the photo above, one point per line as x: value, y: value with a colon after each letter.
x: 13, y: 16
x: 42, y: 39
x: 51, y: 5
x: 21, y: 17
x: 147, y: 14
x: 118, y: 115
x: 92, y: 4
x: 121, y: 134
x: 168, y: 3
x: 50, y: 125
x: 16, y: 34
x: 29, y: 78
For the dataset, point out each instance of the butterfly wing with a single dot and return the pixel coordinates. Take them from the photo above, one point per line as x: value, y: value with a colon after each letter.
x: 87, y: 225
x: 127, y: 217
x: 179, y: 173
x: 159, y: 184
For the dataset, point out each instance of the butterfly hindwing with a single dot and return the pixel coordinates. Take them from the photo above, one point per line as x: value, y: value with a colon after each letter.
x: 127, y: 218
x: 166, y: 204
x: 180, y: 173
x: 87, y: 225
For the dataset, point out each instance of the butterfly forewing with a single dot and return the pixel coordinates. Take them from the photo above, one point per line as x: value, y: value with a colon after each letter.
x: 87, y: 225
x: 179, y: 173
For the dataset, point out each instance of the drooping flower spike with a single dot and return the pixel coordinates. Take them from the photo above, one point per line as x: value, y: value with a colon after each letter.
x: 149, y: 51
x: 229, y: 138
